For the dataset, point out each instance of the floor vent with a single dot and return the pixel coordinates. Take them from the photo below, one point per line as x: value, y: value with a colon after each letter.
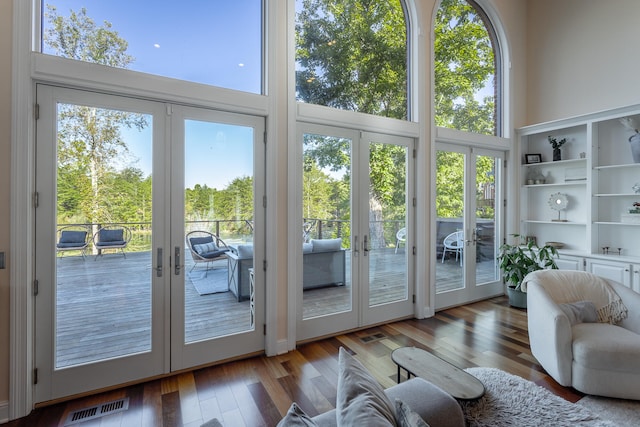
x: 97, y: 411
x: 374, y: 337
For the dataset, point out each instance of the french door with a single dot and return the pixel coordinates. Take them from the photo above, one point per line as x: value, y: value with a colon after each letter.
x: 356, y: 230
x: 468, y: 224
x: 120, y: 182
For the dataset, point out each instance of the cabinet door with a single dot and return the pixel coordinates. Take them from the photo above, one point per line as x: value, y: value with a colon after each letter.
x: 635, y: 277
x: 570, y: 263
x: 618, y: 271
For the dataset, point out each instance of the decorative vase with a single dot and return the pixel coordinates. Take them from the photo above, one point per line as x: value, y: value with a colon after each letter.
x: 634, y: 142
x: 557, y: 154
x: 517, y: 298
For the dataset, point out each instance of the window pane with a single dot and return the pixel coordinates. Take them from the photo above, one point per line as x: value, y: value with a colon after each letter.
x: 352, y: 55
x: 465, y: 69
x: 215, y: 43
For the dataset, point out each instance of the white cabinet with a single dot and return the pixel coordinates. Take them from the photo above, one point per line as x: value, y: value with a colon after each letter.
x: 565, y: 262
x: 601, y: 181
x: 623, y: 272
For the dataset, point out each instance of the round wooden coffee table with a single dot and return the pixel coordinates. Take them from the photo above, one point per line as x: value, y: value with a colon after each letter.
x: 450, y: 378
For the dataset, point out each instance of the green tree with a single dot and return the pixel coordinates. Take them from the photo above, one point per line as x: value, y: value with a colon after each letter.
x: 352, y: 55
x: 89, y: 138
x: 464, y: 65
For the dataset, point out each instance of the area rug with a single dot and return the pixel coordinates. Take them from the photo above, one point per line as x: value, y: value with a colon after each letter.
x: 623, y: 413
x: 209, y: 282
x: 513, y: 401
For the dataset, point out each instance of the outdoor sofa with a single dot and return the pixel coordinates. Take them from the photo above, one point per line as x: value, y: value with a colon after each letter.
x: 323, y: 260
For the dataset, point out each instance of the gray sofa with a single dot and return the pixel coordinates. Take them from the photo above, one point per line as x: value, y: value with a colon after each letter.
x: 434, y: 405
x: 361, y: 401
x: 324, y: 263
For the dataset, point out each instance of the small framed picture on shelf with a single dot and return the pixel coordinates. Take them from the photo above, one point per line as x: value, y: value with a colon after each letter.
x: 532, y: 158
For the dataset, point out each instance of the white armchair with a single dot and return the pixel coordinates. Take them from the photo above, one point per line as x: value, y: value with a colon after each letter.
x: 595, y: 357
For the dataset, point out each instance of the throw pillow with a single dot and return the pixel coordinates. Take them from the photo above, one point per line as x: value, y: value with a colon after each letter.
x: 296, y: 417
x: 111, y: 235
x: 307, y: 247
x: 406, y: 417
x: 326, y: 245
x: 73, y: 236
x: 360, y: 399
x: 205, y: 248
x: 580, y: 312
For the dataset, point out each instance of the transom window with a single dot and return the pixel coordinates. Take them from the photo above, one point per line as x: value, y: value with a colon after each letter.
x: 352, y: 55
x: 466, y: 69
x: 216, y: 43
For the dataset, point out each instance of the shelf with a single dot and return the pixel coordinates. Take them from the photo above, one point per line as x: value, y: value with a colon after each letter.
x: 556, y: 184
x: 616, y: 195
x: 625, y: 166
x: 556, y: 163
x: 616, y: 223
x: 532, y: 221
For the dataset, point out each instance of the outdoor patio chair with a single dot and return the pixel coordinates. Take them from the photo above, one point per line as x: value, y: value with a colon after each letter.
x: 115, y: 237
x: 401, y: 238
x: 205, y: 247
x: 454, y: 242
x: 73, y: 238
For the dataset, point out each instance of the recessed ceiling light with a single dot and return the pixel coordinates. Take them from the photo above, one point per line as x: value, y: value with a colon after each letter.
x: 156, y: 45
x: 241, y: 65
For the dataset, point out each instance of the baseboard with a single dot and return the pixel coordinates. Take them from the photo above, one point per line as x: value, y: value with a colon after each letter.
x: 282, y: 346
x: 4, y: 412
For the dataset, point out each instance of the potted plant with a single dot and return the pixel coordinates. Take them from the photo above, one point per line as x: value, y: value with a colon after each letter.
x: 555, y: 144
x: 516, y: 261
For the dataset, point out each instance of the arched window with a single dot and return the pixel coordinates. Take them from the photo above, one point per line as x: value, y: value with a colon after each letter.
x: 467, y: 95
x: 214, y: 43
x: 352, y: 55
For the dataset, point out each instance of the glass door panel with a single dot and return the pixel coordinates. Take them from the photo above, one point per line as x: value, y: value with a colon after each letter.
x: 99, y: 315
x: 450, y: 224
x: 326, y: 287
x: 487, y: 176
x: 388, y: 245
x: 218, y: 310
x: 326, y: 230
x: 218, y: 214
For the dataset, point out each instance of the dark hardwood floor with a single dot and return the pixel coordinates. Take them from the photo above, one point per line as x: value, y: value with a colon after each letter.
x: 259, y: 390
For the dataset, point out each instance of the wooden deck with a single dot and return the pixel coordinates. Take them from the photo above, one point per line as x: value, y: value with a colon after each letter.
x: 103, y: 306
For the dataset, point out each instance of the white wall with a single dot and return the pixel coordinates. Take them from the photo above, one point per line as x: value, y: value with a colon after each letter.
x: 582, y: 56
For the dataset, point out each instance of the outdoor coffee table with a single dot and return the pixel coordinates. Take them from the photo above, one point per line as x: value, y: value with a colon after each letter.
x: 453, y: 380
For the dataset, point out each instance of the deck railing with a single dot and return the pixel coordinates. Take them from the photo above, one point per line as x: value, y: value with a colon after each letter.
x: 241, y: 231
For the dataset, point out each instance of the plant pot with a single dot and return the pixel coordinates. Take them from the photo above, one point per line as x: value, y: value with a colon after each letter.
x: 517, y: 298
x: 557, y: 154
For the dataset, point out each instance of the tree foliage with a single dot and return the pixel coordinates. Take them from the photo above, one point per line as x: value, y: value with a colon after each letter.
x: 352, y: 55
x: 464, y: 66
x: 89, y: 141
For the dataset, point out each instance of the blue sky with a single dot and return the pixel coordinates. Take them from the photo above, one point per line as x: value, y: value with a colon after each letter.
x: 216, y: 42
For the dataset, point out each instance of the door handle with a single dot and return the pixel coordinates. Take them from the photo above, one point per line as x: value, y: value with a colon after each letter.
x: 356, y: 251
x: 177, y: 261
x: 159, y: 262
x: 365, y: 245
